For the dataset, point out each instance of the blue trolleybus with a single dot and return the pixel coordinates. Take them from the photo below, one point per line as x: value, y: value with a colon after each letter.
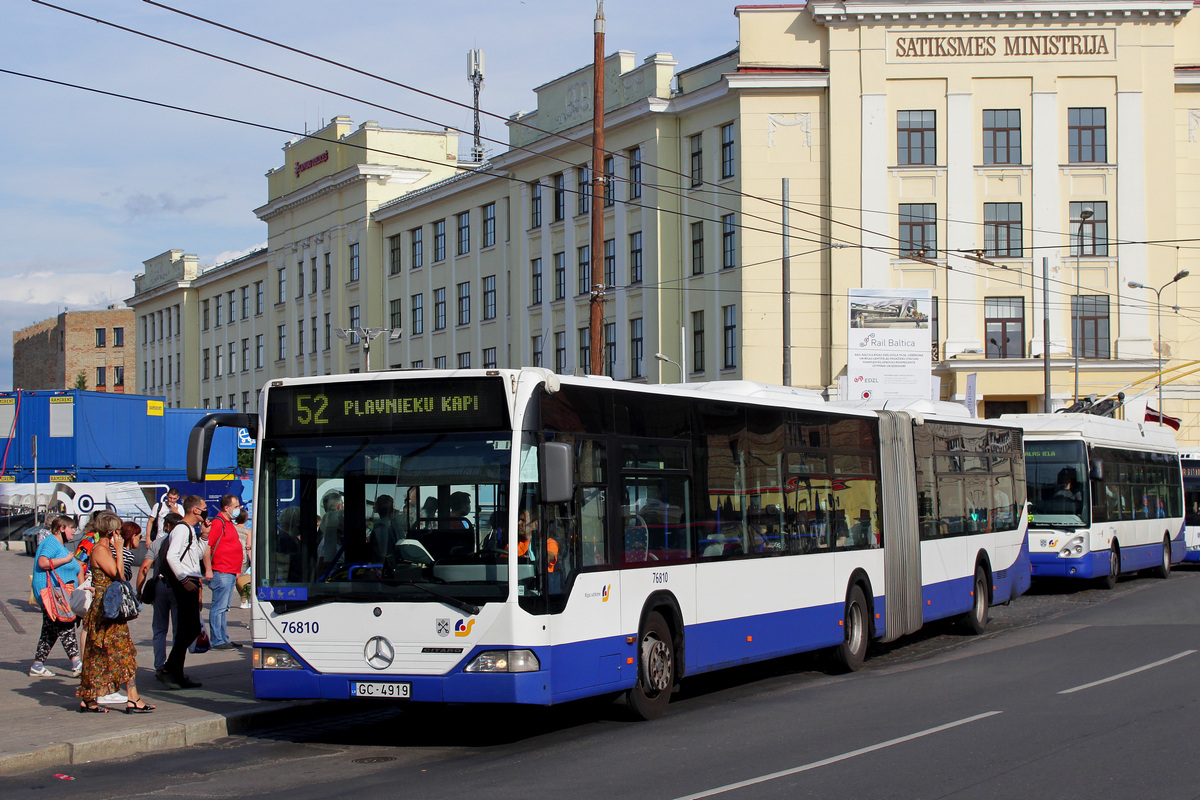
x: 518, y: 536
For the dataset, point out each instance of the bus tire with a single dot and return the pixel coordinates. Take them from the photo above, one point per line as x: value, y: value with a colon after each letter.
x: 1109, y: 581
x: 1163, y: 570
x: 975, y: 621
x: 656, y: 669
x: 852, y: 652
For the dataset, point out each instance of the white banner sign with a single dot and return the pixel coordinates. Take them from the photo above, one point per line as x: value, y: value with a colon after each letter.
x: 888, y: 350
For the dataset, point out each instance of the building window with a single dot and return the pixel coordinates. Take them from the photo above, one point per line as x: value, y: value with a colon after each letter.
x: 464, y: 303
x: 1002, y: 230
x: 394, y: 247
x: 464, y: 233
x: 355, y: 321
x: 394, y: 314
x: 535, y: 204
x: 560, y: 197
x: 585, y: 350
x: 918, y: 230
x: 610, y: 196
x: 489, y: 297
x: 328, y: 330
x: 610, y: 262
x: 1089, y: 237
x: 101, y: 337
x: 637, y: 349
x: 916, y: 137
x: 313, y: 328
x: 245, y: 401
x: 118, y: 376
x: 697, y: 248
x: 635, y: 173
x: 439, y: 309
x: 1004, y: 324
x: 697, y: 162
x: 535, y: 350
x: 218, y: 313
x: 260, y: 298
x: 232, y: 361
x: 1091, y: 312
x: 231, y: 298
x: 439, y: 362
x: 728, y: 242
x: 416, y: 248
x: 727, y: 151
x: 535, y: 282
x: 439, y: 241
x: 281, y: 342
x: 101, y: 379
x: 560, y: 352
x: 418, y: 364
x: 636, y: 263
x: 204, y: 305
x: 353, y: 262
x: 260, y: 352
x: 610, y: 347
x: 1002, y: 136
x: 328, y: 271
x: 583, y: 190
x: 246, y: 302
x: 118, y: 337
x: 281, y: 281
x: 584, y: 261
x: 246, y: 354
x: 464, y: 360
x: 1087, y: 136
x: 729, y: 336
x: 489, y: 225
x: 560, y: 276
x: 489, y: 358
x: 220, y: 359
x: 417, y: 317
x: 697, y: 341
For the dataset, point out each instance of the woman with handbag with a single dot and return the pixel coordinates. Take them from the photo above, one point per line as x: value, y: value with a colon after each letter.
x: 55, y: 566
x: 109, y: 657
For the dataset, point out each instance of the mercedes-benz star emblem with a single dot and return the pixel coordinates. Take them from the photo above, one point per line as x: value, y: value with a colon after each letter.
x: 379, y: 652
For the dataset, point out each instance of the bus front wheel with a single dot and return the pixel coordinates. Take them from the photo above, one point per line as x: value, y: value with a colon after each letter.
x: 656, y: 669
x: 1109, y: 581
x: 1163, y: 570
x: 976, y: 620
x: 850, y: 654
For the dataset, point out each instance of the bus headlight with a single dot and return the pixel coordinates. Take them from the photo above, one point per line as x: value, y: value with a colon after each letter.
x: 504, y: 661
x: 273, y: 658
x: 1072, y: 548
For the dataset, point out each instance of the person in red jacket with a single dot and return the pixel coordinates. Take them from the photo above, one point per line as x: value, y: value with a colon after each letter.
x: 225, y: 545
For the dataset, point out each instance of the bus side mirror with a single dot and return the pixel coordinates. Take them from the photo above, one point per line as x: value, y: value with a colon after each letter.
x: 556, y: 469
x: 1096, y: 472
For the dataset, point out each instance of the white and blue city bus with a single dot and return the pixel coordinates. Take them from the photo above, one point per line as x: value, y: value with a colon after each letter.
x: 517, y: 536
x: 1105, y: 496
x: 1190, y: 462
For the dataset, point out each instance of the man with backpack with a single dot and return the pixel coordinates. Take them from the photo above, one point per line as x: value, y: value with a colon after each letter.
x: 186, y: 564
x: 168, y: 504
x: 225, y: 545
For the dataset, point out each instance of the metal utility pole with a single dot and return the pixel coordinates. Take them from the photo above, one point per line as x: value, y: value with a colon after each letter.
x: 787, y: 291
x: 475, y: 76
x: 1183, y: 273
x: 1076, y: 315
x: 1046, y: 333
x: 597, y: 249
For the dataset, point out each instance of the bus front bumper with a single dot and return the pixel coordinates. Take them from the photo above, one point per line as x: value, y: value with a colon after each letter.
x: 1050, y: 565
x: 456, y: 687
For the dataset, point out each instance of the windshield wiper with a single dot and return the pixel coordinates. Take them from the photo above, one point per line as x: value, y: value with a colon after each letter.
x: 461, y: 605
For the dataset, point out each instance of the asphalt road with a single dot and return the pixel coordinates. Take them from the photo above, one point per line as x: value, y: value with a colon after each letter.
x: 1072, y: 693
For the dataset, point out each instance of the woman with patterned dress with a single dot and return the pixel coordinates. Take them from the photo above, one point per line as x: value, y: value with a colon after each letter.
x: 109, y: 657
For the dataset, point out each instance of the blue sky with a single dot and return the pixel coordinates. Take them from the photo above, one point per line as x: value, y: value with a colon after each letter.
x: 93, y: 186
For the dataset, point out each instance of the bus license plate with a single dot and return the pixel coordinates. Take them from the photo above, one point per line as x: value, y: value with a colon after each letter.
x: 394, y: 690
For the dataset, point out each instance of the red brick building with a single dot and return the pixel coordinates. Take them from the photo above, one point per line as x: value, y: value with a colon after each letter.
x: 97, y: 344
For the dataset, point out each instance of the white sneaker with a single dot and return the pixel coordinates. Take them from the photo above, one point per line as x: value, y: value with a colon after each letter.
x: 37, y: 671
x: 77, y: 671
x: 115, y: 698
x: 245, y: 604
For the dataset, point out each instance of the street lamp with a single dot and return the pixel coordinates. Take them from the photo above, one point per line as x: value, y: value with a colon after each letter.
x: 367, y: 334
x: 1084, y: 216
x: 661, y: 357
x: 1183, y: 273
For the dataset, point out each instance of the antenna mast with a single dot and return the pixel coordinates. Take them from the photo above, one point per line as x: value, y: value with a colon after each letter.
x: 475, y: 76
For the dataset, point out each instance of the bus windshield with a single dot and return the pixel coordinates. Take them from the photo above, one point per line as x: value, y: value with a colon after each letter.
x: 1056, y: 475
x: 394, y: 517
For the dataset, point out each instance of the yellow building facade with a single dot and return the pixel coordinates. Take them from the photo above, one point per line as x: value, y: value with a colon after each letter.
x: 1019, y: 160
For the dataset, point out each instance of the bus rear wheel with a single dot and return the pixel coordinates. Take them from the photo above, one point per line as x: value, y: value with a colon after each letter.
x: 852, y: 652
x: 656, y: 669
x: 1163, y: 570
x: 1109, y: 581
x: 976, y: 620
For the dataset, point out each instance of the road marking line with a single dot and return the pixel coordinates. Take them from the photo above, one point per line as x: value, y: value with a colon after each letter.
x: 1127, y: 674
x: 835, y: 759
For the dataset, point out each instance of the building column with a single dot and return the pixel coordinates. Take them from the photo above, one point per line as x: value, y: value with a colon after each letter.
x: 1133, y: 328
x: 876, y: 220
x: 962, y: 311
x: 1047, y: 211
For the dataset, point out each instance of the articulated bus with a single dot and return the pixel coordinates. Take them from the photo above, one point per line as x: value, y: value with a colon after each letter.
x: 517, y: 536
x: 1190, y: 461
x: 1105, y: 496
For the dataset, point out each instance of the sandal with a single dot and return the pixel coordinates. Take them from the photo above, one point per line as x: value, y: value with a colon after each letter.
x: 140, y: 707
x: 92, y: 708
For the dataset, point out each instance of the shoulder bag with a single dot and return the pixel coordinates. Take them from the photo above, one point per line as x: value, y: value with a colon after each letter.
x: 56, y: 598
x: 120, y: 602
x: 81, y: 598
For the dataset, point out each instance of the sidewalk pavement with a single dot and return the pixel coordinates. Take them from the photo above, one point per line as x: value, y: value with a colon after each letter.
x: 41, y: 728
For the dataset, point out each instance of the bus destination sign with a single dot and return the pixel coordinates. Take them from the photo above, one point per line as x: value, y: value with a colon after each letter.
x: 386, y: 407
